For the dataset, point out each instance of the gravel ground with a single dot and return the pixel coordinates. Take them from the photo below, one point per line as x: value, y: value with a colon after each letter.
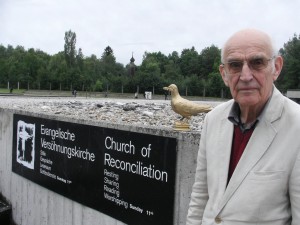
x: 150, y: 113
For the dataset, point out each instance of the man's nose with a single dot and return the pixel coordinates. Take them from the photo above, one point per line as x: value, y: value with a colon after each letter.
x: 246, y: 73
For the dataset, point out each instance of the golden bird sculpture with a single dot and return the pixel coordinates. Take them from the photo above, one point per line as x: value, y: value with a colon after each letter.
x: 185, y: 108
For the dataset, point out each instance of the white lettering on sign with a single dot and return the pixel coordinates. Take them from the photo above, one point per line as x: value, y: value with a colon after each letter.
x: 59, y: 133
x: 111, y: 144
x: 136, y: 168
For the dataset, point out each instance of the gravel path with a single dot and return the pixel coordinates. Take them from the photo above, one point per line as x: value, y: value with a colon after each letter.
x: 157, y: 113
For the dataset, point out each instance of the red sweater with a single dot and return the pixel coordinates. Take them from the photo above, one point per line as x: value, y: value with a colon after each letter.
x: 239, y: 143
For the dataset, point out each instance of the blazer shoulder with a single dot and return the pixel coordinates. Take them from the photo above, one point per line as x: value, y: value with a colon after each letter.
x: 222, y: 110
x: 292, y: 108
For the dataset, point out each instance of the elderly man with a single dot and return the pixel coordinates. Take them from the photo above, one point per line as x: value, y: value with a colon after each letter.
x: 248, y: 166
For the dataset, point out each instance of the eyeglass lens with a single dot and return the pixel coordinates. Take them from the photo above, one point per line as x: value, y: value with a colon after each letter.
x: 254, y: 64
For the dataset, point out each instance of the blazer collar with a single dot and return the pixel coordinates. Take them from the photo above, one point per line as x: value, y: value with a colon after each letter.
x: 275, y: 107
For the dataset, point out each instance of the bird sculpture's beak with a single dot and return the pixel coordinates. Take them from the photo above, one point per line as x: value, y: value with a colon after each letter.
x: 166, y: 88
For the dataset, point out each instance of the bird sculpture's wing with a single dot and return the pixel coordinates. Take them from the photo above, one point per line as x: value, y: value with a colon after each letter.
x: 187, y: 108
x: 182, y: 107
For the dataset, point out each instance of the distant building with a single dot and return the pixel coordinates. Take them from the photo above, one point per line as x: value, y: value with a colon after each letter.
x: 294, y: 95
x: 132, y: 66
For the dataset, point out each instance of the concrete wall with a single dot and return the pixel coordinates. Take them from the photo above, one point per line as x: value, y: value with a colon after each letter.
x: 293, y: 93
x: 35, y: 205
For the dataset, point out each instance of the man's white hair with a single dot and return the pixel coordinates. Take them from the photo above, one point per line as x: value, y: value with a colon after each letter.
x: 274, y: 50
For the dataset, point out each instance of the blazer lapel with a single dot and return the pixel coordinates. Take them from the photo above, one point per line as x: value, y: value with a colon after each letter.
x: 224, y: 155
x: 259, y: 142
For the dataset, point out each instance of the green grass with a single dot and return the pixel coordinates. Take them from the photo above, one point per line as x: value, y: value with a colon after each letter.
x: 15, y: 91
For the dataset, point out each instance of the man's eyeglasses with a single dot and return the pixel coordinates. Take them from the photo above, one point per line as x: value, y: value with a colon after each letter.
x: 255, y: 64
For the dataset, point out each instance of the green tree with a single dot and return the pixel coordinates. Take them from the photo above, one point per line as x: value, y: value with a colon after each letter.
x: 216, y: 86
x: 207, y: 59
x: 70, y: 48
x: 172, y: 73
x: 36, y: 62
x: 4, y: 68
x: 290, y: 75
x: 174, y: 56
x: 91, y: 70
x: 156, y: 57
x: 57, y: 75
x: 18, y: 70
x: 108, y: 51
x: 189, y: 62
x: 194, y: 85
x: 108, y: 66
x: 80, y: 59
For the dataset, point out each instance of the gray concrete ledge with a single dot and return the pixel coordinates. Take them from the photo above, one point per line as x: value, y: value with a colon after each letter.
x: 35, y: 205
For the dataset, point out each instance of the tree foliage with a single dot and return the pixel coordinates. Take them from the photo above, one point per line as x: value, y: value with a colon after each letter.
x: 70, y: 48
x: 290, y: 75
x: 195, y: 73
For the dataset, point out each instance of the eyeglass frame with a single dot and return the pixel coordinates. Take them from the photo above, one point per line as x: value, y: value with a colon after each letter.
x: 249, y: 65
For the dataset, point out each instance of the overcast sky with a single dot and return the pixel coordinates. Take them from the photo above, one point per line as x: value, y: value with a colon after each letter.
x: 141, y: 25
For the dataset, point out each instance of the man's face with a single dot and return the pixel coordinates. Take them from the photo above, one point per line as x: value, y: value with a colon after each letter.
x: 250, y: 69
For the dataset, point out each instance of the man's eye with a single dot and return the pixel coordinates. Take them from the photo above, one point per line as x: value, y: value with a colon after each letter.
x: 257, y: 62
x: 235, y: 64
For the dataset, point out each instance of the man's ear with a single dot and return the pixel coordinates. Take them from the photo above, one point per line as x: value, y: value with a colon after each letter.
x: 223, y: 74
x: 278, y: 67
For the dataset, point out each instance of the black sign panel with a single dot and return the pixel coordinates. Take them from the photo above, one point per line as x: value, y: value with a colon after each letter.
x: 126, y: 175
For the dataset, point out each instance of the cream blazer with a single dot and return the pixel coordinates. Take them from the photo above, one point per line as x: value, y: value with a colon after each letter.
x: 265, y: 186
